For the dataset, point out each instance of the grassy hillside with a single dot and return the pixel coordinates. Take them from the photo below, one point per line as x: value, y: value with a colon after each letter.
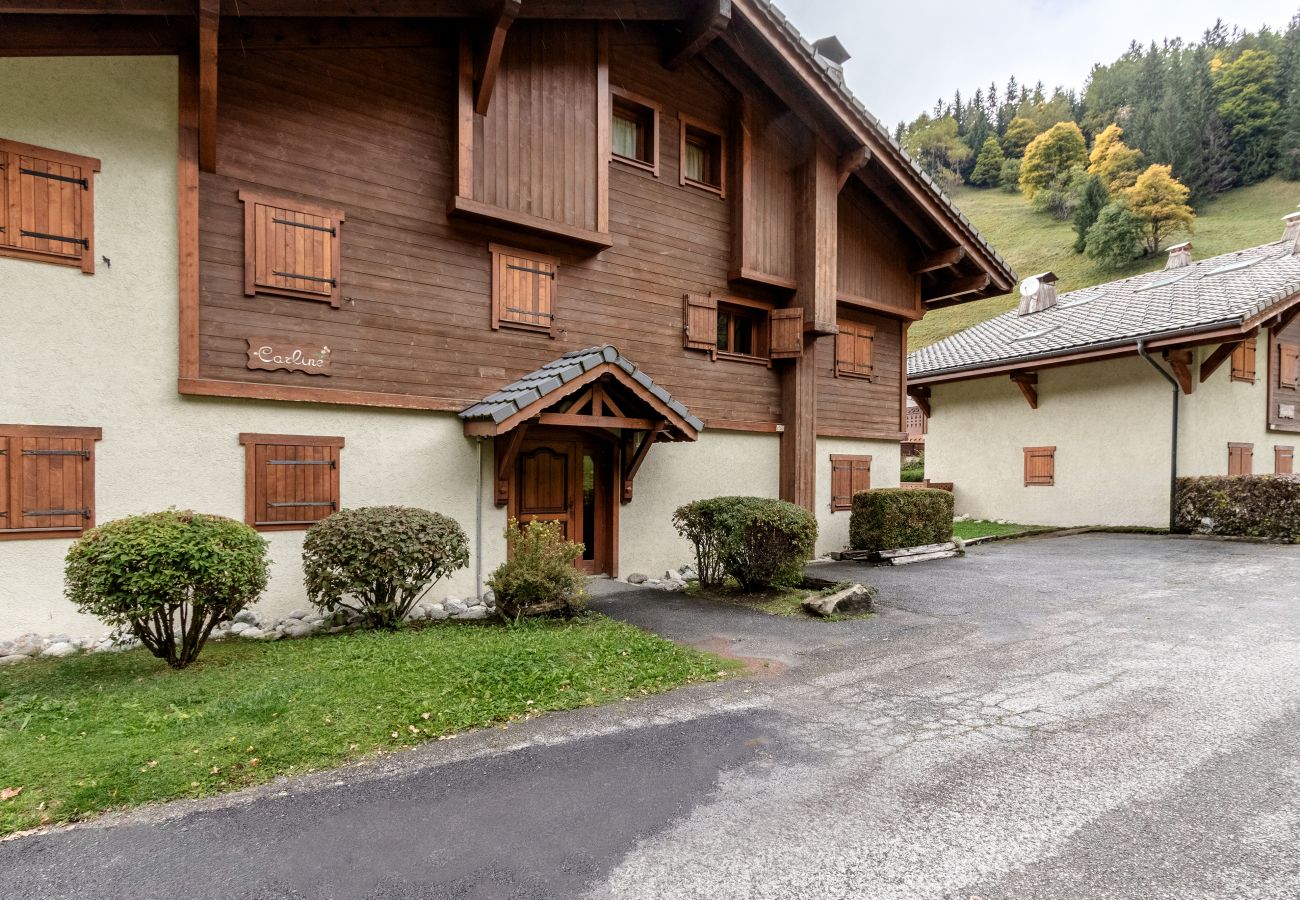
x: 1036, y: 242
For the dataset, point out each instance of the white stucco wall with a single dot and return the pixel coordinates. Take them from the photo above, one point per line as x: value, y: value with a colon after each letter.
x: 1110, y: 423
x: 886, y: 458
x: 101, y: 351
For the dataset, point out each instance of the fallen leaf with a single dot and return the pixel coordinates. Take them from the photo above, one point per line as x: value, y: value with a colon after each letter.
x: 426, y: 716
x: 10, y: 793
x: 254, y: 762
x: 216, y: 770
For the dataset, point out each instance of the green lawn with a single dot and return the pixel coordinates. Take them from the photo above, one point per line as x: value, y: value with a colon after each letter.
x: 89, y: 733
x: 1037, y: 242
x: 980, y: 528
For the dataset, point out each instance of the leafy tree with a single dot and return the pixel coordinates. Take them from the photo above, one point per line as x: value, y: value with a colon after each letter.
x: 1062, y: 194
x: 1247, y: 88
x: 1159, y: 202
x: 934, y: 144
x: 1020, y: 131
x: 1113, y: 238
x: 1050, y: 155
x: 988, y: 168
x: 1113, y: 161
x: 1010, y: 177
x: 1093, y: 198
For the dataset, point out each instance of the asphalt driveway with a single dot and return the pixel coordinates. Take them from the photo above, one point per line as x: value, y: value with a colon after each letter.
x: 1093, y: 716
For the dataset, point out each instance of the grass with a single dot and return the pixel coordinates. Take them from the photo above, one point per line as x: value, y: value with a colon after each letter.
x: 89, y: 733
x: 777, y: 601
x: 1037, y: 242
x: 979, y: 528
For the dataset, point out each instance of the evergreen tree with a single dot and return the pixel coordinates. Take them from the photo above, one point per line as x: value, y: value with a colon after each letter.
x: 1247, y: 89
x: 1113, y: 238
x: 1159, y: 201
x: 1010, y: 177
x: 988, y: 168
x: 1148, y: 91
x: 1092, y: 200
x: 1288, y: 160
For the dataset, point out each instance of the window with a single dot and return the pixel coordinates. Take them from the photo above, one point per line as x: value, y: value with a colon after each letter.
x: 854, y: 347
x: 291, y: 249
x: 703, y: 157
x: 1240, y: 459
x: 635, y: 132
x: 1243, y: 362
x: 1040, y: 466
x: 849, y: 475
x: 47, y: 481
x: 47, y: 204
x: 1288, y: 369
x: 734, y: 329
x: 1283, y: 460
x: 742, y: 332
x: 290, y: 480
x: 523, y: 289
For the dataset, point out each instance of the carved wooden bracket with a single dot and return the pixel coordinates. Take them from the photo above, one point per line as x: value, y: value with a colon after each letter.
x: 1028, y: 384
x: 1180, y: 361
x: 505, y: 449
x: 697, y: 32
x: 941, y: 259
x: 488, y: 59
x: 921, y: 394
x: 632, y: 459
x: 948, y: 289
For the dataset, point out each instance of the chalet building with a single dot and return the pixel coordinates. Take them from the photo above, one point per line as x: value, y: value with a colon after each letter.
x: 1080, y: 410
x: 534, y: 259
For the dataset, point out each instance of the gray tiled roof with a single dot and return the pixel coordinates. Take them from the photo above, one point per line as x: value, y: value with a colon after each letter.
x: 518, y: 395
x: 837, y: 86
x: 1213, y: 293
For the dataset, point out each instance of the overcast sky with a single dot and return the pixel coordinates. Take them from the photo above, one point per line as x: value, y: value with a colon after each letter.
x: 908, y: 54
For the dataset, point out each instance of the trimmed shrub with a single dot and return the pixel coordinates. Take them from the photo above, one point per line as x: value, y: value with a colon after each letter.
x: 169, y: 577
x: 766, y: 542
x: 1240, y: 505
x: 538, y: 575
x: 379, y: 561
x: 700, y: 523
x: 892, y: 518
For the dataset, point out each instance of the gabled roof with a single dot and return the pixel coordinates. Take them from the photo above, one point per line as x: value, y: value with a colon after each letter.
x: 1227, y: 292
x: 534, y: 392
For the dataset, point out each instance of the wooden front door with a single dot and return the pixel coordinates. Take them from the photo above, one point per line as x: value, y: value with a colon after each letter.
x: 569, y: 479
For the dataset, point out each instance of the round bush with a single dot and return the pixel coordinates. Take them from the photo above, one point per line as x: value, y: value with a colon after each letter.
x: 168, y: 577
x: 538, y: 575
x: 766, y: 542
x: 379, y: 561
x: 700, y: 523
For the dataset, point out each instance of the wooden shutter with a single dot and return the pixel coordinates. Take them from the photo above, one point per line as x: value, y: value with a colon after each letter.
x: 1243, y: 361
x: 1241, y: 459
x: 47, y: 205
x: 1040, y: 466
x: 850, y: 475
x: 6, y: 233
x: 854, y: 350
x: 291, y: 249
x: 5, y: 512
x: 787, y: 334
x: 1283, y: 460
x: 1288, y: 374
x: 291, y: 481
x: 523, y: 289
x: 700, y: 322
x: 51, y: 484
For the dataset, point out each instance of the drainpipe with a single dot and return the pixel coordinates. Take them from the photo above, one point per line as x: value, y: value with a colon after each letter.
x: 478, y: 518
x: 1173, y: 440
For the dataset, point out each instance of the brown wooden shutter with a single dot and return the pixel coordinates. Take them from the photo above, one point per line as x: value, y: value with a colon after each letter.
x: 523, y: 289
x: 1288, y: 375
x: 844, y: 349
x: 700, y: 322
x: 1283, y: 460
x: 291, y: 481
x: 1040, y: 466
x: 7, y: 235
x: 1243, y: 361
x: 854, y: 350
x: 1241, y: 459
x: 787, y: 334
x: 51, y: 483
x: 291, y: 249
x: 48, y: 197
x: 6, y: 513
x: 850, y: 475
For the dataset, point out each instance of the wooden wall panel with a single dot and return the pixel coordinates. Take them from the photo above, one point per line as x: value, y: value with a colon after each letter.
x: 1282, y: 399
x: 854, y: 406
x: 776, y: 154
x: 875, y: 254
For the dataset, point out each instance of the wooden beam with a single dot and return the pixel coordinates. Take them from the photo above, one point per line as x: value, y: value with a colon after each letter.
x: 817, y: 240
x: 1280, y: 322
x: 187, y: 212
x: 949, y: 289
x: 573, y: 419
x: 941, y: 260
x: 633, y: 465
x: 711, y: 19
x: 506, y: 448
x: 1223, y: 353
x: 1028, y: 384
x: 622, y: 10
x: 489, y: 57
x: 209, y: 28
x: 851, y: 162
x: 1180, y: 361
x: 921, y: 395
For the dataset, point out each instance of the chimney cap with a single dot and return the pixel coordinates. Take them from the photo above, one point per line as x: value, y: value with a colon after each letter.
x: 1045, y: 277
x: 831, y: 48
x: 1291, y: 217
x: 1187, y: 245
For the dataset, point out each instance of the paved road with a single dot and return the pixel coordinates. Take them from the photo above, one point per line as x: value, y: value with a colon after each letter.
x: 1084, y: 717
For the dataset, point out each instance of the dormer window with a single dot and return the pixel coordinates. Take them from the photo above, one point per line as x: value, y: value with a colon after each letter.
x: 702, y: 157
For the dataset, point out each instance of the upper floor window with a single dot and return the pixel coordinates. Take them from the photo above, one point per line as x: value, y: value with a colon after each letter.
x: 523, y: 289
x: 855, y: 350
x: 739, y: 329
x: 291, y: 248
x: 47, y: 205
x: 703, y: 157
x: 635, y: 131
x: 742, y: 331
x: 47, y: 481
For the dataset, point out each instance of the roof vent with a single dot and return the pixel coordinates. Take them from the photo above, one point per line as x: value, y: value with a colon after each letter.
x: 1180, y: 255
x: 1292, y: 230
x: 832, y: 54
x: 1037, y: 293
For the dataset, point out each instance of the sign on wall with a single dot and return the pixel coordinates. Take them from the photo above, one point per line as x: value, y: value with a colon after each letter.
x: 271, y: 354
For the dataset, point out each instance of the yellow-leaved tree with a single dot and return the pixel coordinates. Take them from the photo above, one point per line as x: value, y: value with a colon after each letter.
x: 1113, y: 161
x: 1050, y: 156
x: 1159, y: 200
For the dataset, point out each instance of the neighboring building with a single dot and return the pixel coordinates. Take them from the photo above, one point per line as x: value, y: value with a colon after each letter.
x: 914, y: 443
x: 1053, y: 413
x: 265, y: 259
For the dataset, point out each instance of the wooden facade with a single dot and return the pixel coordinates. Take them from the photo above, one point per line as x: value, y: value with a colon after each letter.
x: 415, y: 175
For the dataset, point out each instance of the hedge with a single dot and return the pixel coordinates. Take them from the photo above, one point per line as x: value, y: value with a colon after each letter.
x: 1265, y: 506
x: 890, y: 518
